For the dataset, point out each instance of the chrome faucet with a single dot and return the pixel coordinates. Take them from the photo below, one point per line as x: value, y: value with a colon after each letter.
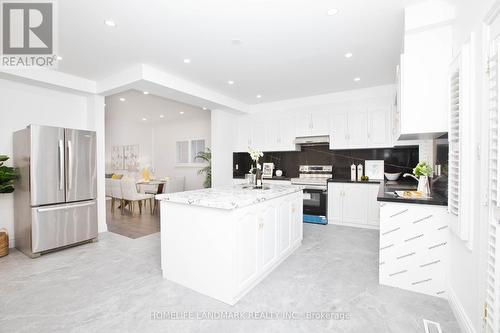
x: 410, y: 175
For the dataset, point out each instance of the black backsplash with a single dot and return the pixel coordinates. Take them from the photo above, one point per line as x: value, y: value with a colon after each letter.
x: 400, y: 159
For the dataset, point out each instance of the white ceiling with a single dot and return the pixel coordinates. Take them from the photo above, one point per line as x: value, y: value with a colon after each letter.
x: 289, y: 48
x: 138, y: 107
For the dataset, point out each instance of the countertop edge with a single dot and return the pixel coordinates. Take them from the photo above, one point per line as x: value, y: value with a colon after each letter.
x: 229, y: 207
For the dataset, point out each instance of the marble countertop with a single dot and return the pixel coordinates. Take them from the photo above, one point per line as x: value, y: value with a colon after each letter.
x: 229, y: 197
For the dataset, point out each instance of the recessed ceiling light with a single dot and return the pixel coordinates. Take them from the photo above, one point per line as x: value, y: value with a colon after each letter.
x: 357, y: 79
x: 333, y: 11
x: 259, y: 96
x: 110, y: 23
x: 182, y: 112
x: 162, y: 116
x: 348, y: 55
x: 59, y: 58
x: 144, y: 119
x: 230, y: 82
x: 145, y: 92
x: 204, y: 108
x: 122, y: 99
x: 187, y: 61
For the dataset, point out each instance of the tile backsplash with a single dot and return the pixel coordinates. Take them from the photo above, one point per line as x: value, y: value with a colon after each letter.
x: 399, y: 159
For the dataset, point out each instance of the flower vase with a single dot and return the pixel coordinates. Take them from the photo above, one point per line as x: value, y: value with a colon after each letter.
x: 423, y: 185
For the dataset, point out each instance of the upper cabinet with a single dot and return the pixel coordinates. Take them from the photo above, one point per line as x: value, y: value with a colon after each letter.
x: 423, y: 72
x: 361, y: 127
x: 355, y: 123
x: 312, y: 122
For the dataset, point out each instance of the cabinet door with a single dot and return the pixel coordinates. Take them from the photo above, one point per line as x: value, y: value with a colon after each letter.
x: 244, y: 134
x: 320, y: 122
x: 297, y: 218
x: 358, y: 129
x: 379, y: 131
x: 248, y: 251
x: 269, y: 233
x: 285, y: 224
x: 286, y: 136
x: 354, y: 203
x: 258, y: 135
x: 373, y: 205
x: 303, y: 123
x: 335, y: 196
x: 338, y: 130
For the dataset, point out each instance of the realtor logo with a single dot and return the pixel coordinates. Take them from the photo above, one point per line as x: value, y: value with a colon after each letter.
x: 28, y: 34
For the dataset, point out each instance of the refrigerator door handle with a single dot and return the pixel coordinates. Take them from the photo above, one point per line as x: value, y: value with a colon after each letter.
x: 70, y: 165
x: 61, y: 165
x: 48, y: 209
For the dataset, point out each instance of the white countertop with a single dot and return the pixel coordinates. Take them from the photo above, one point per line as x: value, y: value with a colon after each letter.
x: 228, y: 197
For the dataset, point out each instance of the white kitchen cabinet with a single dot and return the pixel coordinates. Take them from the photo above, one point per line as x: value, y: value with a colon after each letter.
x: 424, y: 72
x: 269, y: 234
x: 357, y: 125
x: 339, y: 138
x: 353, y: 204
x: 379, y: 127
x: 358, y: 128
x: 247, y: 249
x: 222, y: 252
x: 244, y: 139
x: 373, y: 217
x: 320, y: 122
x: 313, y: 123
x: 285, y: 219
x: 280, y: 134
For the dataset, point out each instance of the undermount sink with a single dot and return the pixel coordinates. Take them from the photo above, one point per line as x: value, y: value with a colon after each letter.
x: 252, y: 187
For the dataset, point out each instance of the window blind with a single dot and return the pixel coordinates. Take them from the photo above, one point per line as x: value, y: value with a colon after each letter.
x: 492, y: 305
x: 454, y: 140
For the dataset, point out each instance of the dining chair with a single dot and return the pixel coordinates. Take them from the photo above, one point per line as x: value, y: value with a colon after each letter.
x: 116, y: 193
x: 161, y: 186
x: 132, y: 196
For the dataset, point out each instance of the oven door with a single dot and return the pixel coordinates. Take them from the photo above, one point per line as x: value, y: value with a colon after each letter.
x: 315, y: 202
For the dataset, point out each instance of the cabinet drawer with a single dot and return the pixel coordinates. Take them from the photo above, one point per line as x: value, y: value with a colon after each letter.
x: 61, y: 225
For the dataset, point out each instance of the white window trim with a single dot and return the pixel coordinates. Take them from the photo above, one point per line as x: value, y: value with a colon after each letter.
x: 190, y: 164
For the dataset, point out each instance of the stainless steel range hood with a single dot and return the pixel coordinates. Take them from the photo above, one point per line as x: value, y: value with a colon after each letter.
x: 312, y: 140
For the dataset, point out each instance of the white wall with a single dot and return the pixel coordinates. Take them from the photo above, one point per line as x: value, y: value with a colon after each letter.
x: 466, y: 270
x: 155, y: 136
x: 122, y: 132
x: 224, y: 126
x: 165, y: 137
x: 22, y: 104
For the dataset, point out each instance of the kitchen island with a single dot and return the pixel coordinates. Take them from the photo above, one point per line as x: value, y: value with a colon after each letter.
x: 413, y: 240
x: 223, y: 241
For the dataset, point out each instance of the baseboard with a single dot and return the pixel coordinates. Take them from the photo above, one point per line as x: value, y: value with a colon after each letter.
x: 355, y: 225
x: 459, y: 312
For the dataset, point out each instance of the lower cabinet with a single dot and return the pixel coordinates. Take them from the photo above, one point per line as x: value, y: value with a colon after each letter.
x: 353, y: 204
x: 265, y: 236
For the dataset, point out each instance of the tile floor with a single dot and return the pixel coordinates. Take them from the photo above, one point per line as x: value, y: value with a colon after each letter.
x: 115, y: 284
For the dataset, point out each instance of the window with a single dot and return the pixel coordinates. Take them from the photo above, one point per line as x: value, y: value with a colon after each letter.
x: 182, y: 150
x: 197, y: 146
x: 187, y: 150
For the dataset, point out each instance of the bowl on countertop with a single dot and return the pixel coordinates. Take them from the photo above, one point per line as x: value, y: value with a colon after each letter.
x: 392, y: 176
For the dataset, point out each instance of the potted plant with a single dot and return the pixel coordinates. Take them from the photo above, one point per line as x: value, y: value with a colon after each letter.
x: 207, y: 157
x: 7, y: 176
x: 422, y: 173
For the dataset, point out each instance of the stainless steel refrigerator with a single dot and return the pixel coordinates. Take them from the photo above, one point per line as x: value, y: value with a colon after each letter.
x: 55, y: 198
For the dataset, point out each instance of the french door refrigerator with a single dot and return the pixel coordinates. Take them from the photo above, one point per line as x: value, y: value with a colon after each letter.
x: 55, y: 198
